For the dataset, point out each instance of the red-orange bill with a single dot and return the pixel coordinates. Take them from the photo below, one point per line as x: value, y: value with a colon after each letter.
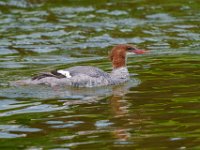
x: 140, y: 51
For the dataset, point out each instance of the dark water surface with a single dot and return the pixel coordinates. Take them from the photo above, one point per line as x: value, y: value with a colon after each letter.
x: 158, y: 109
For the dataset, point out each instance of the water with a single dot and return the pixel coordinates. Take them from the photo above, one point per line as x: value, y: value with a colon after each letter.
x: 158, y: 109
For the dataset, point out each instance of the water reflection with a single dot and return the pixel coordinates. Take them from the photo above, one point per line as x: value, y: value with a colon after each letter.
x: 66, y: 99
x: 121, y: 113
x: 62, y: 94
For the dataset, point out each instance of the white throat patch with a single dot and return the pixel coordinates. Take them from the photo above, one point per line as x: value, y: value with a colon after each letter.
x: 65, y: 73
x: 129, y: 53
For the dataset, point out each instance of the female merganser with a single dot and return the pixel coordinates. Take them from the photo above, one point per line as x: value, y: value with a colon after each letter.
x: 88, y: 76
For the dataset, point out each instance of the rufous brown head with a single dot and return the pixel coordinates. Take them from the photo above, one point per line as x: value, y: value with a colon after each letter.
x: 119, y: 52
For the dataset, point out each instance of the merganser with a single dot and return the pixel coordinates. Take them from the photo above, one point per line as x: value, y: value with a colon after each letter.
x: 88, y: 76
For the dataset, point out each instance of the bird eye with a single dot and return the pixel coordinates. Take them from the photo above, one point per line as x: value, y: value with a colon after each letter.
x: 130, y: 48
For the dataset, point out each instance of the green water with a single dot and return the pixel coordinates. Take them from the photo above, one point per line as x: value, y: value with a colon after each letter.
x: 158, y: 109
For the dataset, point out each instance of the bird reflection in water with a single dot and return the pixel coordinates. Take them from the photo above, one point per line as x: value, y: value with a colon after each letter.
x: 120, y: 110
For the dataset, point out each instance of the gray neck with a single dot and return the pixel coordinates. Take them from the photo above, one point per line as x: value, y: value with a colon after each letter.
x: 120, y: 74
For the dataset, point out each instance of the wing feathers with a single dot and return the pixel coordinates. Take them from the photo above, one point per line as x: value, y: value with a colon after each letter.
x: 54, y: 74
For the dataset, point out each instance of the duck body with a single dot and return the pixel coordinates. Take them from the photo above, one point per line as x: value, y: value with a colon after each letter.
x: 80, y: 76
x: 86, y: 76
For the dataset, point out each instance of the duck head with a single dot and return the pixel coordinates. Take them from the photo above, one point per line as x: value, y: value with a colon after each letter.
x: 119, y: 53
